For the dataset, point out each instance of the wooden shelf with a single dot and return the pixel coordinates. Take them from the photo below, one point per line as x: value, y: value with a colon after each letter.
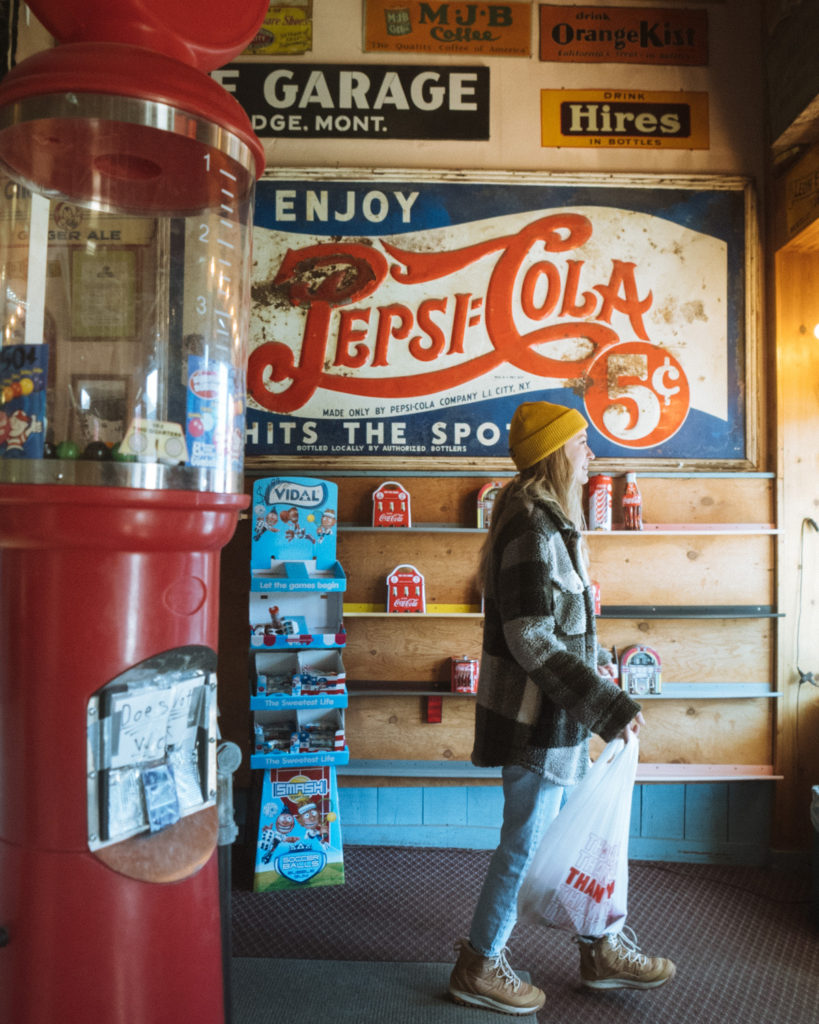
x: 712, y: 691
x: 671, y: 691
x: 726, y: 562
x: 689, y: 611
x: 649, y: 529
x: 646, y: 772
x: 689, y: 530
x: 415, y: 528
x: 433, y: 611
x: 660, y: 772
x: 610, y: 611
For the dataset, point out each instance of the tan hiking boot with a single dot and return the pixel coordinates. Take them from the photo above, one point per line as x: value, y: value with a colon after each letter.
x: 489, y: 981
x: 615, y: 961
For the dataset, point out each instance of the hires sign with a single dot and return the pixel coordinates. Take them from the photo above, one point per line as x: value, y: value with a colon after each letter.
x: 607, y: 117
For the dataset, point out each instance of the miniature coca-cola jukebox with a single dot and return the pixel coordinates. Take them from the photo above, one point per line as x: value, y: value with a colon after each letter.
x: 126, y: 189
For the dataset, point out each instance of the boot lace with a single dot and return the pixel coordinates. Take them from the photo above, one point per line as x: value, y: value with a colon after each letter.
x: 627, y: 948
x: 502, y: 964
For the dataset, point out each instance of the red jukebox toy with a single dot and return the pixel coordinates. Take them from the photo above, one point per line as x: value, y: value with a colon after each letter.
x: 128, y: 177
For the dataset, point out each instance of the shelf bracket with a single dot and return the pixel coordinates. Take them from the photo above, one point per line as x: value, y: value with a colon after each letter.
x: 434, y: 709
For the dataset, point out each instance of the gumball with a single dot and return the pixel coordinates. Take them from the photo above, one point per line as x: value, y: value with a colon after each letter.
x: 49, y: 451
x: 67, y: 450
x: 120, y: 456
x: 26, y: 386
x: 97, y: 451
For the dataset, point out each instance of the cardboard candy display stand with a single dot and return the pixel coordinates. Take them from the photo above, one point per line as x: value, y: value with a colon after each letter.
x: 299, y: 830
x: 298, y: 689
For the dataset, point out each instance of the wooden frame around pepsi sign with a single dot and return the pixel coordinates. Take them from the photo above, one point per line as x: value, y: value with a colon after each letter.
x: 399, y: 317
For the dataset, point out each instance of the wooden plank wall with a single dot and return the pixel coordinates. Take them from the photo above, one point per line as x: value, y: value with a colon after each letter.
x: 797, y: 313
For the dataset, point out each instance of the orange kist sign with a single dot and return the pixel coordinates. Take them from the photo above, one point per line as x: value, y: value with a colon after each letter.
x: 623, y: 35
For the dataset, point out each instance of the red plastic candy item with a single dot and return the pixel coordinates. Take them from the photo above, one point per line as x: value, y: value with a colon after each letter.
x: 205, y: 34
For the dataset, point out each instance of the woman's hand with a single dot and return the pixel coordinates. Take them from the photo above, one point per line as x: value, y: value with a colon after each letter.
x: 633, y: 727
x: 608, y: 671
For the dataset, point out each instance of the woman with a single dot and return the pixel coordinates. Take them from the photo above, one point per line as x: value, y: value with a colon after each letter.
x: 545, y: 685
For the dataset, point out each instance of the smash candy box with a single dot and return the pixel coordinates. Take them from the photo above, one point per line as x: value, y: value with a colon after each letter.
x: 299, y: 839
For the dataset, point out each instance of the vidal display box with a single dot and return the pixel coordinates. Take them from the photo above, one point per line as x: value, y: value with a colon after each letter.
x: 298, y: 679
x: 293, y: 547
x: 298, y: 736
x: 299, y: 840
x: 287, y: 620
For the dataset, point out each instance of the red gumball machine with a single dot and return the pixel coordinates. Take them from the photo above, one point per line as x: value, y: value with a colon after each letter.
x: 126, y: 192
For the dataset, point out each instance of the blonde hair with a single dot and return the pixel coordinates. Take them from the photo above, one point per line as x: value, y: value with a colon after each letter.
x: 552, y: 479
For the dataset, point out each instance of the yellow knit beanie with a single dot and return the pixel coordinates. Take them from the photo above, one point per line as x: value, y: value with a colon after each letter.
x: 540, y: 428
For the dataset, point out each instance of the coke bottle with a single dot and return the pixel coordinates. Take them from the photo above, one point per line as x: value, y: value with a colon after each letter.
x: 632, y: 504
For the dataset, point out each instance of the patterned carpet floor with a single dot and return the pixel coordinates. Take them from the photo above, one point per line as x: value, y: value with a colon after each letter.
x: 745, y: 939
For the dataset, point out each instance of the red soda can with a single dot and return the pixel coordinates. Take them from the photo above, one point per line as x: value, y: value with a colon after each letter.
x: 600, y: 502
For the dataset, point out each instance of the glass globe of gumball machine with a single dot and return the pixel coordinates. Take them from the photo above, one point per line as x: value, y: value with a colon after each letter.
x: 127, y: 178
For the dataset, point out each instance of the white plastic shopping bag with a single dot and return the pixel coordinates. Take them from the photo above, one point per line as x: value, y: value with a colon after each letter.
x: 578, y: 879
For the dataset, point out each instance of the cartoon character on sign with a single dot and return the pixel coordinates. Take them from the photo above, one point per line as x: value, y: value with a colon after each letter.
x: 315, y: 823
x: 293, y: 530
x: 265, y: 520
x: 274, y: 837
x: 16, y: 429
x: 327, y: 524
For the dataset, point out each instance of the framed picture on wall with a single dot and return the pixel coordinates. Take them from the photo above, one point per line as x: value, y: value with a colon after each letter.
x: 401, y: 316
x: 104, y: 293
x: 100, y: 407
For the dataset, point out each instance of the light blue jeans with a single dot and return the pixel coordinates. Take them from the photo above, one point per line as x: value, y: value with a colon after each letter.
x: 530, y: 804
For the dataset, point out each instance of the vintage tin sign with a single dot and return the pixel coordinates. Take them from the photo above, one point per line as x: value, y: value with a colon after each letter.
x: 802, y: 193
x: 286, y: 29
x: 624, y: 118
x: 409, y: 314
x: 392, y: 506
x: 376, y: 101
x: 623, y: 35
x: 465, y: 29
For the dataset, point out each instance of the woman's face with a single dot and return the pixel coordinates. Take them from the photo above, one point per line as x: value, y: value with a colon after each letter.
x: 579, y: 455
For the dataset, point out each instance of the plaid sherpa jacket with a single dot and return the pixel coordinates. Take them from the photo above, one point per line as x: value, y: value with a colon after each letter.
x: 539, y: 693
